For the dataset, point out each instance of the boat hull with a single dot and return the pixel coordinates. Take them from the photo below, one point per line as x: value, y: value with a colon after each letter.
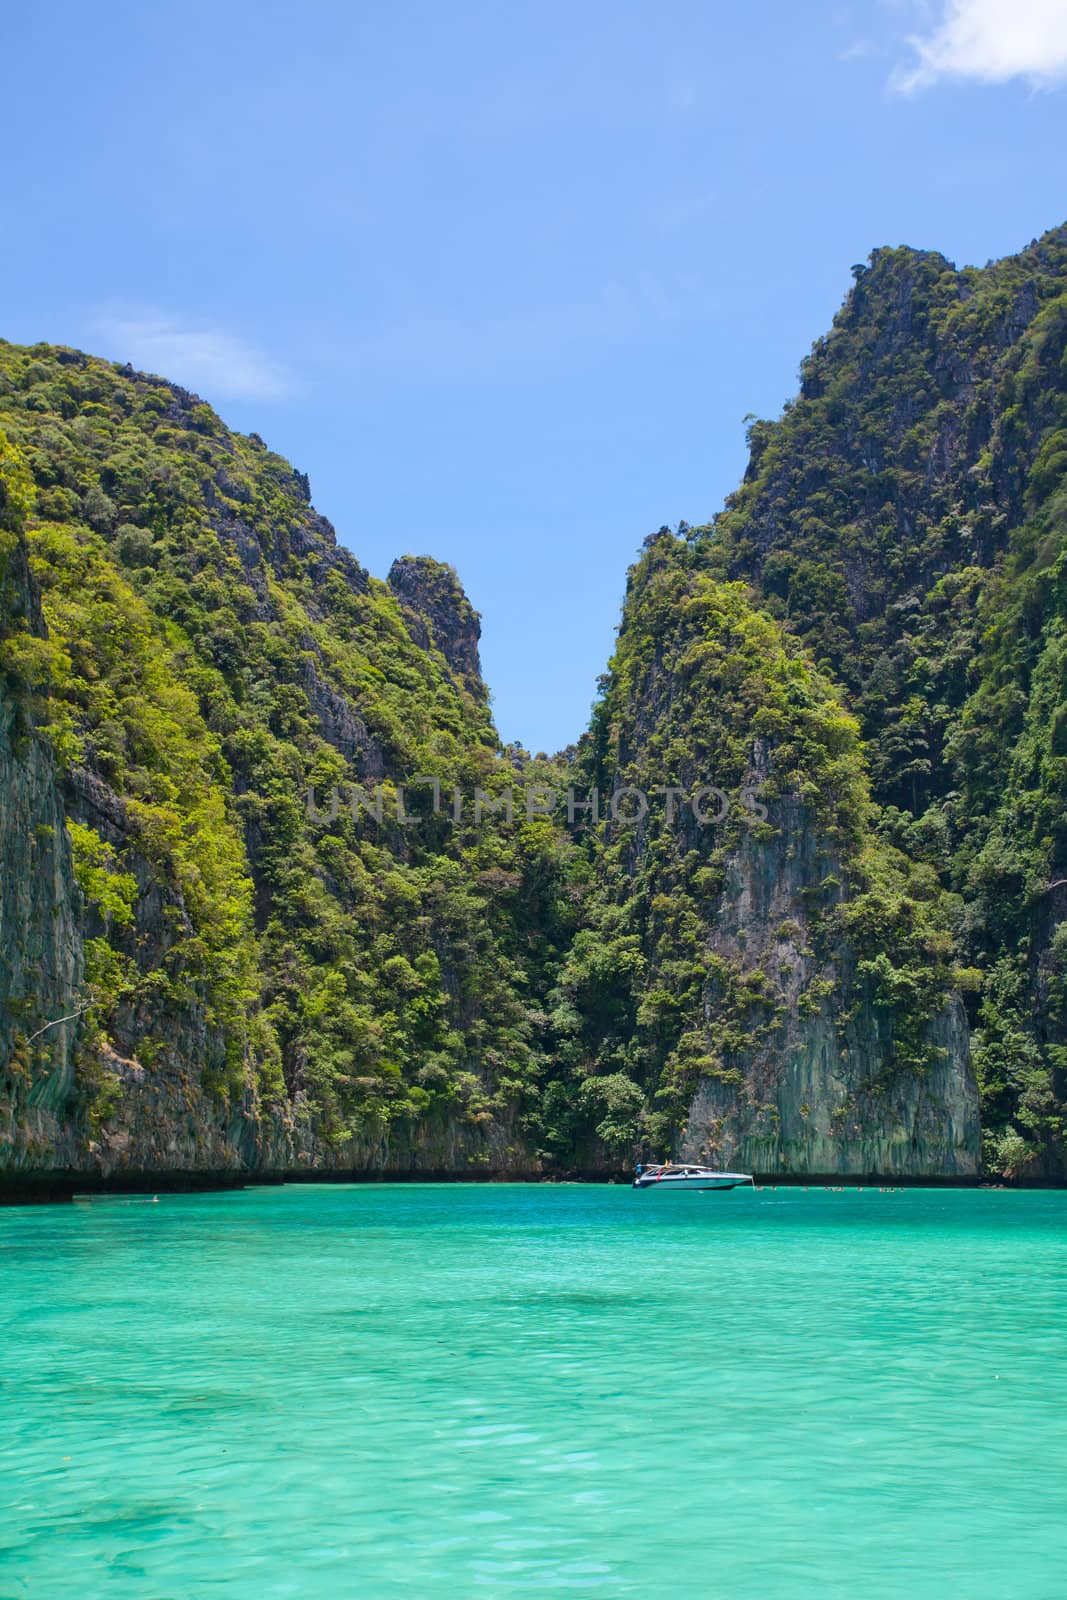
x: 725, y: 1180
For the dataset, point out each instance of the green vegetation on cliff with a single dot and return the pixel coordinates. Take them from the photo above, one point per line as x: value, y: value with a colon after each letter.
x: 906, y: 519
x: 664, y: 986
x: 211, y: 656
x: 862, y: 662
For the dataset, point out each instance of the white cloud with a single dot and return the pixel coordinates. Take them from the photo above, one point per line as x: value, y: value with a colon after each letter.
x: 991, y: 41
x: 189, y: 353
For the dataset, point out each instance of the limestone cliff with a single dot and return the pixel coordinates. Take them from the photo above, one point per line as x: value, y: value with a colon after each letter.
x: 254, y: 983
x: 818, y: 1093
x: 40, y: 944
x: 906, y: 518
x: 439, y: 614
x: 266, y: 969
x: 764, y: 982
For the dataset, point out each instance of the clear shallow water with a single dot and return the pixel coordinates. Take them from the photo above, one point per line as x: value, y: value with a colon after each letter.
x: 497, y: 1391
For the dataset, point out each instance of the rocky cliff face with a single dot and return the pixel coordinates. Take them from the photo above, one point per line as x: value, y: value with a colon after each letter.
x: 438, y: 614
x: 70, y: 1102
x: 906, y: 518
x: 260, y: 984
x: 771, y: 988
x: 817, y: 1094
x: 40, y: 942
x: 273, y: 971
x: 83, y: 1105
x: 41, y: 960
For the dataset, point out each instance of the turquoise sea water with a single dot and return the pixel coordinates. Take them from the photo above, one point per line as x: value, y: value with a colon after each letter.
x: 323, y: 1392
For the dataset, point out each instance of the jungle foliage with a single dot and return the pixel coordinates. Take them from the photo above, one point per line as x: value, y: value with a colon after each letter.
x: 872, y: 633
x: 905, y: 518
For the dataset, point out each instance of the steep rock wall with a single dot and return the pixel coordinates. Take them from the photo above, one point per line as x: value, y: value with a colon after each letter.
x: 40, y: 952
x: 814, y: 1096
x: 776, y: 984
x: 40, y: 940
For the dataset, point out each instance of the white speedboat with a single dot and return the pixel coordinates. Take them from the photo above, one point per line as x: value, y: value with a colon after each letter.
x: 677, y: 1176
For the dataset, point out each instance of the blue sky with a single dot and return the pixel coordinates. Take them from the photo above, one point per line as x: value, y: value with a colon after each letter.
x: 506, y: 279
